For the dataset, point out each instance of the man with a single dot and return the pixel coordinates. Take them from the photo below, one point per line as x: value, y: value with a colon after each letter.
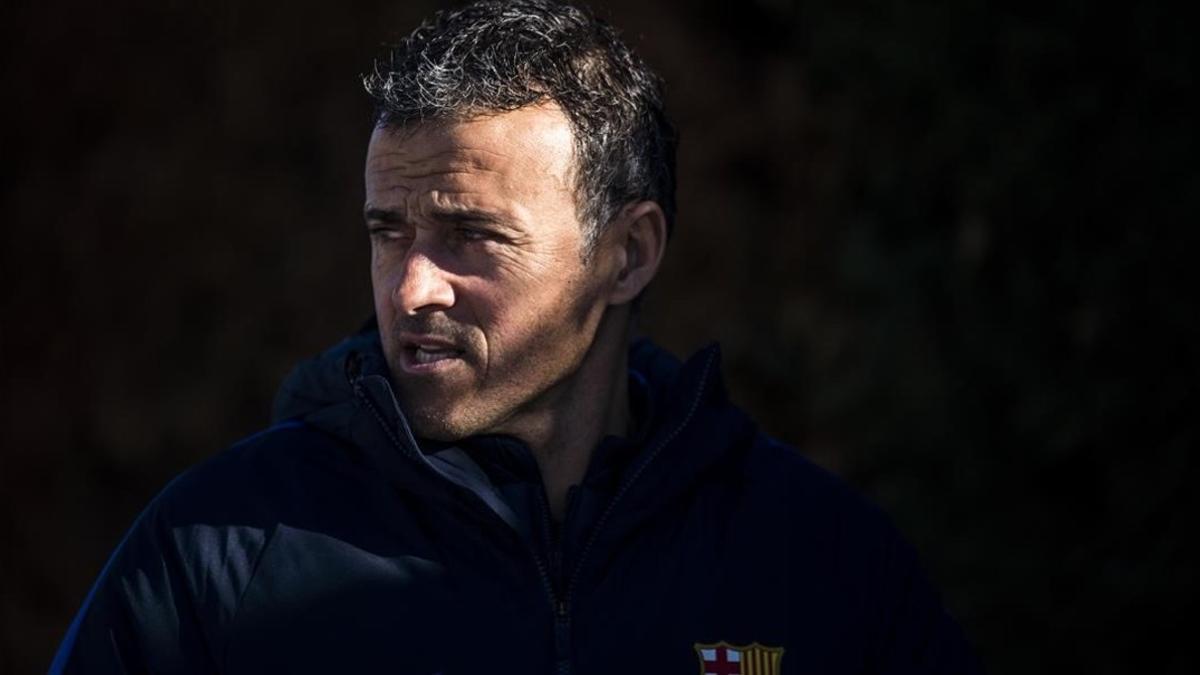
x: 489, y: 477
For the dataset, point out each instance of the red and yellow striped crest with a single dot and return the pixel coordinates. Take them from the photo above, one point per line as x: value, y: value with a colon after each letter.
x: 723, y: 658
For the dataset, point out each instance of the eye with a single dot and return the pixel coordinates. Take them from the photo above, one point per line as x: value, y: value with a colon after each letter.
x: 472, y: 234
x: 386, y: 235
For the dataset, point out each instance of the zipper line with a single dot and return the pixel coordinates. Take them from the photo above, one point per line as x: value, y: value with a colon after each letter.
x: 559, y: 605
x: 362, y: 395
x: 413, y: 451
x: 626, y: 485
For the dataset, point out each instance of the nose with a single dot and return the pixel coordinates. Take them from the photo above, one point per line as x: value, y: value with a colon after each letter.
x: 424, y: 286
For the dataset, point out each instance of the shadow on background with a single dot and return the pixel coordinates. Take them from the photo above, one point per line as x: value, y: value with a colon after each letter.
x: 947, y: 251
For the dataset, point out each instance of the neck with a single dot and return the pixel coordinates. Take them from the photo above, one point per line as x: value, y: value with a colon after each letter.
x: 592, y: 404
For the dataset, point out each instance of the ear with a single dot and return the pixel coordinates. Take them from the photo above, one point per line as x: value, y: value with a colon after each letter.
x: 641, y: 240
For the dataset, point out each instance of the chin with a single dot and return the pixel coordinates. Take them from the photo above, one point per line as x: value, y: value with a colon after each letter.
x: 436, y: 425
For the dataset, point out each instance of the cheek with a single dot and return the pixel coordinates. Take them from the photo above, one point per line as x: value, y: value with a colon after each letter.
x: 383, y: 281
x: 379, y: 283
x: 386, y: 267
x: 516, y: 268
x: 547, y: 311
x: 496, y: 310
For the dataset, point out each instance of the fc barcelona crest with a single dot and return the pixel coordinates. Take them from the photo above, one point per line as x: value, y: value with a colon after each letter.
x: 723, y: 658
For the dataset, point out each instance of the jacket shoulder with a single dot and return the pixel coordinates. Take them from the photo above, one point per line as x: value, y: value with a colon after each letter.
x: 792, y: 479
x: 177, y: 578
x: 846, y: 541
x: 272, y: 468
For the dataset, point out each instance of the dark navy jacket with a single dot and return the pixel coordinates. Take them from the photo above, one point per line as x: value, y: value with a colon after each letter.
x: 334, y: 542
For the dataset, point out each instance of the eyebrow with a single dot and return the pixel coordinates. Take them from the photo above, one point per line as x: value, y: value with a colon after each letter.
x: 382, y: 215
x: 452, y: 215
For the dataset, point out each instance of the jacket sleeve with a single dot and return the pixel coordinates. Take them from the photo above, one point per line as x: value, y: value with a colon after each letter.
x: 918, y: 635
x: 140, y: 616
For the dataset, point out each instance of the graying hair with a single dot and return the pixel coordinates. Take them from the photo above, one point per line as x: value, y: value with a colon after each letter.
x: 495, y: 56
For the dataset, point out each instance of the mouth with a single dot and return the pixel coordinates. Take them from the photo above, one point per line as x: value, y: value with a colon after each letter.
x: 421, y: 355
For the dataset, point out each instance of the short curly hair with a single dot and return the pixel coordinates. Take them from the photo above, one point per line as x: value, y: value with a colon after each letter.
x: 495, y: 56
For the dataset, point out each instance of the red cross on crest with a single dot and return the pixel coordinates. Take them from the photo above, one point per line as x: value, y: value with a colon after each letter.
x: 723, y: 658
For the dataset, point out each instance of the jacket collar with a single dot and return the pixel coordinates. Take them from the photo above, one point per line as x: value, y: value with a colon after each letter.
x: 686, y: 420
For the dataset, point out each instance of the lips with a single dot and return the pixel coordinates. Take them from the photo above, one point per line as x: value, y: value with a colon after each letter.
x: 425, y: 353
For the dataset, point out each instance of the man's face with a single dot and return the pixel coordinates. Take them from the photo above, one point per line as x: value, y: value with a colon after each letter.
x: 485, y: 306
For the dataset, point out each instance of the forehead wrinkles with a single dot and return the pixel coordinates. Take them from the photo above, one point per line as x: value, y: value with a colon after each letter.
x: 400, y: 179
x: 398, y: 163
x: 455, y: 177
x: 518, y: 159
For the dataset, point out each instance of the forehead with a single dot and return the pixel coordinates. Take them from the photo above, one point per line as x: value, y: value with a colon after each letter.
x: 520, y: 153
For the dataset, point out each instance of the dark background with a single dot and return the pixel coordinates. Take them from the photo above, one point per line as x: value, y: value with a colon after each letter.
x: 946, y: 246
